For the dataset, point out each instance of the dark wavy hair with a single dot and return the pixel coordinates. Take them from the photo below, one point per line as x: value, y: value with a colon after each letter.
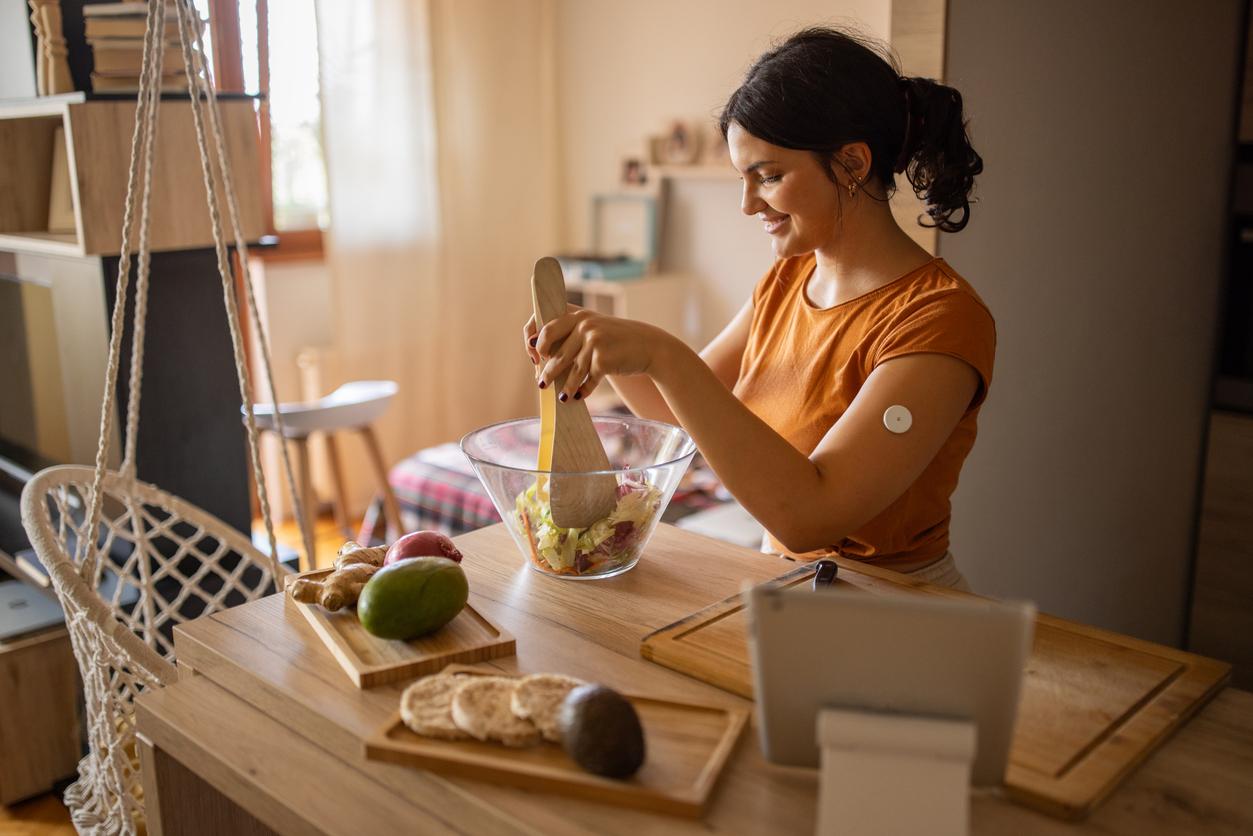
x: 823, y: 88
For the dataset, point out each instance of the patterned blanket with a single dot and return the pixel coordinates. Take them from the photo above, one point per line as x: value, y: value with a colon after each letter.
x: 437, y: 490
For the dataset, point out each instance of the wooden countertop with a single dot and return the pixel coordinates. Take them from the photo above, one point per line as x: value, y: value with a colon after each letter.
x: 272, y: 721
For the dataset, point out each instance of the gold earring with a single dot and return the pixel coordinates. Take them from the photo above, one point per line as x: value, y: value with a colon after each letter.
x: 852, y: 188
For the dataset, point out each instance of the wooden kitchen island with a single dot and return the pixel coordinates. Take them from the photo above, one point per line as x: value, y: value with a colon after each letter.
x: 264, y: 731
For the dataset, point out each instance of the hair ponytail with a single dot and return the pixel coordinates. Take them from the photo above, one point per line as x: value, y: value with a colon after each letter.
x: 936, y: 156
x: 822, y: 89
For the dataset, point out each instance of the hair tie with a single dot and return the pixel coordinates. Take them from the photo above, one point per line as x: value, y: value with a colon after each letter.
x: 902, y: 159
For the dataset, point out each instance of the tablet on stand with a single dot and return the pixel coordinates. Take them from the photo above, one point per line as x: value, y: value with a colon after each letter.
x: 904, y: 701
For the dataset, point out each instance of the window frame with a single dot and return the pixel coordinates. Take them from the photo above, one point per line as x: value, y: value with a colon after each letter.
x: 293, y: 244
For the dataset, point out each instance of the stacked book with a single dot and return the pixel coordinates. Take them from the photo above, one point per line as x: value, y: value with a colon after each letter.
x: 115, y: 33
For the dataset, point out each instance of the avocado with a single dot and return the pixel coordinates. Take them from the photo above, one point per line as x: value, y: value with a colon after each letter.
x: 601, y: 731
x: 413, y: 597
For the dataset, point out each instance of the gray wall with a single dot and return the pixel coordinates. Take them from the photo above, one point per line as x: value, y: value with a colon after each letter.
x: 1107, y: 133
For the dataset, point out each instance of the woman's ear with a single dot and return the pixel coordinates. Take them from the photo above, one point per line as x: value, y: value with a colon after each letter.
x: 855, y: 159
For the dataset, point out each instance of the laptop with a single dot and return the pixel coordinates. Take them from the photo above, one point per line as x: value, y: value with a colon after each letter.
x: 894, y: 654
x: 24, y: 609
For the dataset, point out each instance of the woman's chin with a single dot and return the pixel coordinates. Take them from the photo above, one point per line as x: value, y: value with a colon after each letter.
x: 783, y: 246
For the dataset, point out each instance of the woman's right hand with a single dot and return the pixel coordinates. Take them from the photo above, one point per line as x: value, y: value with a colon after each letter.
x: 530, y: 334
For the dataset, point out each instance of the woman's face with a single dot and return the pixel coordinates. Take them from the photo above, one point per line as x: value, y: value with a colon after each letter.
x: 787, y: 189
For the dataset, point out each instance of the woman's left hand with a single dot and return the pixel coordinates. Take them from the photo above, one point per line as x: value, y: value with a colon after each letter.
x: 590, y: 346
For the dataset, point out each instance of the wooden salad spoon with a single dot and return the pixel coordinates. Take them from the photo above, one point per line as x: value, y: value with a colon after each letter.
x: 575, y: 502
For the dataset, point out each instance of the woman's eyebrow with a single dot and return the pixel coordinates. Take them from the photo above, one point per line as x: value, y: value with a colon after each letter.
x: 757, y: 165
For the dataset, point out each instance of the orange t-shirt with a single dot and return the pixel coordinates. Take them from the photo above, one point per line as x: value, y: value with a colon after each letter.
x: 804, y: 365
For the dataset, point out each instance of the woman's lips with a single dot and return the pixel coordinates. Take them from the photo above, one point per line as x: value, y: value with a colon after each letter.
x: 773, y: 225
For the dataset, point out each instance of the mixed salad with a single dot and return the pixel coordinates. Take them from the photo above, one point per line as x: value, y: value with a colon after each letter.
x: 604, y: 546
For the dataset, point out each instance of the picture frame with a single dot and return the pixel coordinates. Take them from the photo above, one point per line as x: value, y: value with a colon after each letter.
x: 679, y: 145
x: 633, y: 172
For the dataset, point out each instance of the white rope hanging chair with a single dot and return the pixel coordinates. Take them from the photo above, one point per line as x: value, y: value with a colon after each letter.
x: 127, y: 560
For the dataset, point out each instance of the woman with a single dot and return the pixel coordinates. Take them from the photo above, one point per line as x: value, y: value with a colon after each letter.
x: 840, y: 402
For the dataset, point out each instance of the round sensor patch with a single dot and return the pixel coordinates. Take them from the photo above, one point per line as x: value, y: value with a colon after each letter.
x: 897, y: 419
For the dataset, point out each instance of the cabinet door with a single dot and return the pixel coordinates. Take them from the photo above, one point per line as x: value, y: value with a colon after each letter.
x: 658, y: 300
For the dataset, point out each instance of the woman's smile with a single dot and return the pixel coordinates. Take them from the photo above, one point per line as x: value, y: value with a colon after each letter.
x: 774, y: 224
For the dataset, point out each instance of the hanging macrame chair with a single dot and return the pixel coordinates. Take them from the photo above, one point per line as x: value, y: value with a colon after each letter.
x: 128, y: 561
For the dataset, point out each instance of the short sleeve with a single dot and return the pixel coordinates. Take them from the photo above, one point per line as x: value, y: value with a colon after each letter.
x: 955, y: 323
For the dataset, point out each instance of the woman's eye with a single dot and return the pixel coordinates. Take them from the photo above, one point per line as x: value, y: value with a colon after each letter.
x: 772, y: 178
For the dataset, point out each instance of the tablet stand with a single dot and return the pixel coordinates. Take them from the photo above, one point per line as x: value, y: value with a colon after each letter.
x: 894, y: 774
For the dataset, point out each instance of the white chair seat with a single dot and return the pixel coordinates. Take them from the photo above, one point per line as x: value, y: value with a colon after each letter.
x: 354, y: 404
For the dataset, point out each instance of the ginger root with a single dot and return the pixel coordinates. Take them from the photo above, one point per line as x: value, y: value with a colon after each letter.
x: 354, y: 566
x: 352, y: 552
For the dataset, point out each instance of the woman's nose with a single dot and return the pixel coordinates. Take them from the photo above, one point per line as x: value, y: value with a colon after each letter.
x: 750, y: 203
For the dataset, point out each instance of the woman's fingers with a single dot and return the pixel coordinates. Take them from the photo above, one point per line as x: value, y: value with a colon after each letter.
x: 589, y: 385
x: 554, y: 333
x: 529, y: 339
x: 542, y: 342
x: 579, y: 368
x: 559, y: 360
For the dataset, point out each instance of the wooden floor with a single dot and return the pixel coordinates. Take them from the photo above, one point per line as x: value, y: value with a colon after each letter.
x: 327, y: 538
x: 44, y: 815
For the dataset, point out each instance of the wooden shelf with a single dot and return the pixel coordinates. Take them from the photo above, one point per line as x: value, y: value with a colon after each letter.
x: 47, y: 243
x: 695, y: 172
x: 97, y: 153
x: 617, y: 287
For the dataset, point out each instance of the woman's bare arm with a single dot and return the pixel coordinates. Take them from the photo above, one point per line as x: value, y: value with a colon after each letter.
x: 722, y: 356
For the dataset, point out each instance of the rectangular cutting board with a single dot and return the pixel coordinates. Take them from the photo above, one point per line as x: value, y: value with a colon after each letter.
x: 686, y: 747
x: 370, y: 661
x: 1094, y: 703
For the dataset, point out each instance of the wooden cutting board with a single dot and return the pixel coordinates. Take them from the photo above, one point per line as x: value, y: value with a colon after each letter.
x: 370, y: 661
x: 686, y: 747
x: 1094, y: 704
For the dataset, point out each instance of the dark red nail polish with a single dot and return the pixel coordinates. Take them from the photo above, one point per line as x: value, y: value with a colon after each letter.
x: 534, y: 340
x: 542, y: 384
x: 578, y: 395
x: 563, y: 397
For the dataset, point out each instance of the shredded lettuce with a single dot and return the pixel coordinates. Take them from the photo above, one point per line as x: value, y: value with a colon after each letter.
x: 602, y: 546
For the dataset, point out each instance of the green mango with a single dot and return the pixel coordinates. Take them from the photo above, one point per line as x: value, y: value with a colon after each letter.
x: 413, y: 597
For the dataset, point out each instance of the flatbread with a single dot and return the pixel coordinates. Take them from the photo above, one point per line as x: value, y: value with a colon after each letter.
x: 426, y: 706
x: 538, y: 698
x: 480, y: 708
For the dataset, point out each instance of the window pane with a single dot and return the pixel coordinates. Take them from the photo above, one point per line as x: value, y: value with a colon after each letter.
x: 248, y: 45
x: 297, y: 170
x: 202, y: 11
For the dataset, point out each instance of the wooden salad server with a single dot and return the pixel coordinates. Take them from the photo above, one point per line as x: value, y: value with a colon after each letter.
x: 576, y: 502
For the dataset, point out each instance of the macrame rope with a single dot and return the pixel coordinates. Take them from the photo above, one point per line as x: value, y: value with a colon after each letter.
x: 143, y: 143
x: 150, y: 71
x: 122, y: 644
x: 241, y: 247
x: 196, y: 84
x: 86, y: 547
x: 152, y: 65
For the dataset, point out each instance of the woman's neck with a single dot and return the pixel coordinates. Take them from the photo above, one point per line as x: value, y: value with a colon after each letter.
x: 870, y: 251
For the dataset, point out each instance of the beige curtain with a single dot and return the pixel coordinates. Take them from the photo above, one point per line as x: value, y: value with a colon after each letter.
x: 441, y: 145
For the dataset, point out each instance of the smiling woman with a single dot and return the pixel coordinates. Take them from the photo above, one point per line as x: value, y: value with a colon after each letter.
x: 798, y: 403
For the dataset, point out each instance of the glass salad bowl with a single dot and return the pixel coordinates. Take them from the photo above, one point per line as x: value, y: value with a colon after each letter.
x: 648, y: 460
